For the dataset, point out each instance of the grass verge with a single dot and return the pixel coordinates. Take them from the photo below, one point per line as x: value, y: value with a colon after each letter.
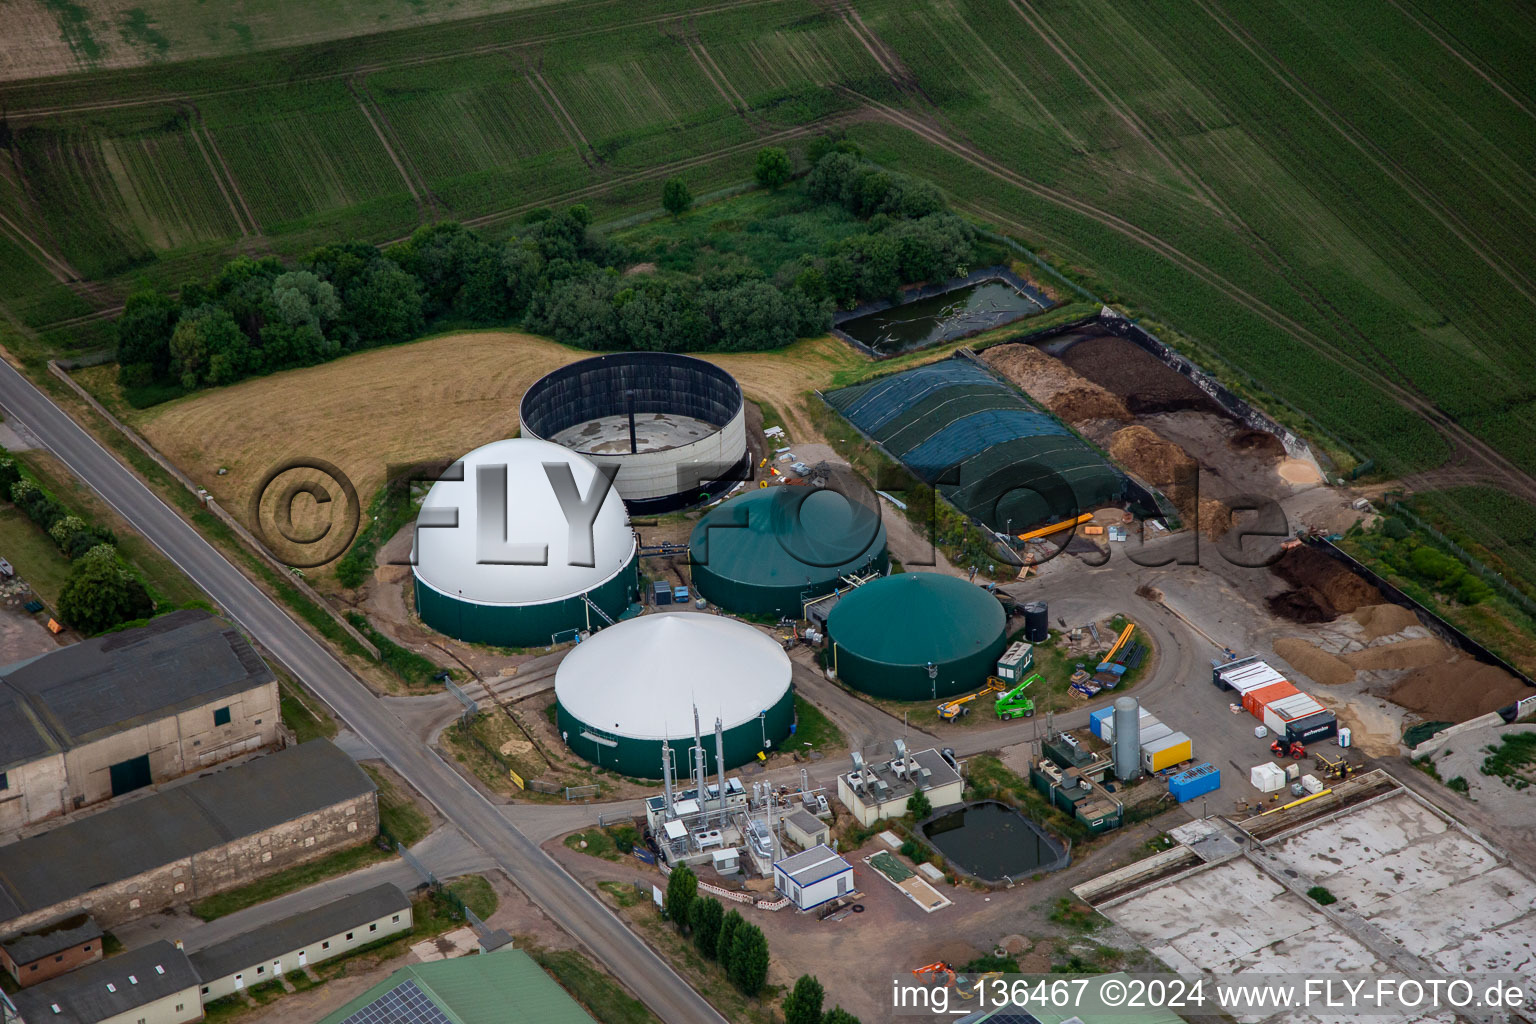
x: 813, y: 729
x: 342, y: 862
x: 398, y: 814
x: 603, y: 997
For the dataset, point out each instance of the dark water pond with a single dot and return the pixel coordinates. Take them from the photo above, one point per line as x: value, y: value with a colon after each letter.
x: 994, y: 842
x: 947, y: 316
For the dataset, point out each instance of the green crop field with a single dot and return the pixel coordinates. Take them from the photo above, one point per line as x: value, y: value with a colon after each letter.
x: 1333, y: 206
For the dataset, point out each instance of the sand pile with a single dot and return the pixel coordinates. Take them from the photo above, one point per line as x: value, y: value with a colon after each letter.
x: 1379, y: 620
x: 1457, y: 689
x: 1324, y: 582
x: 1414, y: 653
x: 1138, y: 377
x: 1257, y: 442
x: 1317, y: 665
x: 1054, y: 385
x: 1215, y: 518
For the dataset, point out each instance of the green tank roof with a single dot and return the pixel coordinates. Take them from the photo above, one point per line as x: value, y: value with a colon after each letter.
x: 767, y: 551
x: 887, y: 633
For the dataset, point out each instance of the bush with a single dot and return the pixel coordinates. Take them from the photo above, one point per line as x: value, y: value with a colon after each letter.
x: 728, y: 928
x: 35, y: 503
x: 10, y: 474
x: 772, y: 168
x: 707, y: 916
x: 682, y: 890
x: 748, y: 965
x: 676, y: 198
x: 919, y: 806
x: 103, y: 592
x: 1321, y: 896
x: 803, y: 1004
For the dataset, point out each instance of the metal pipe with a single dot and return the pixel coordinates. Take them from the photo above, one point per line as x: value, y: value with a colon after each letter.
x: 720, y: 764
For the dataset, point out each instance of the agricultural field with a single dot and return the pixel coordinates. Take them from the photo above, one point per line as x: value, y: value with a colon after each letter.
x: 1330, y: 207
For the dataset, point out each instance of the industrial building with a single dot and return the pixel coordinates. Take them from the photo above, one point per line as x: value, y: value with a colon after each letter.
x: 1270, y: 698
x: 190, y: 839
x: 814, y: 877
x: 51, y: 949
x: 1073, y: 780
x: 293, y: 943
x: 118, y: 712
x: 498, y: 561
x: 650, y: 682
x: 772, y: 550
x: 479, y: 989
x: 875, y: 791
x: 674, y: 426
x: 915, y: 636
x: 151, y: 985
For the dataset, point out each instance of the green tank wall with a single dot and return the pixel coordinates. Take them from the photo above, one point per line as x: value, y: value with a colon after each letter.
x: 642, y: 758
x: 525, y: 625
x: 911, y: 682
x: 758, y: 599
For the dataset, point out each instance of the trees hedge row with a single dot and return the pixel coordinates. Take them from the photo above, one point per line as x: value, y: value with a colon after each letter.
x: 102, y: 590
x: 740, y: 948
x: 555, y: 276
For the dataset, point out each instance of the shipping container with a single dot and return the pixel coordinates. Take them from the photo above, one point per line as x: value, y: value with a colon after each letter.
x: 1096, y: 722
x: 1315, y: 727
x: 1166, y: 752
x: 1153, y: 733
x: 1297, y: 705
x: 1255, y: 700
x: 1107, y: 725
x: 1198, y: 781
x: 1244, y: 675
x: 1267, y: 777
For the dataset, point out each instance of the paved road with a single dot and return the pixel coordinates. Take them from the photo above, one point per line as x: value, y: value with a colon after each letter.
x: 545, y: 882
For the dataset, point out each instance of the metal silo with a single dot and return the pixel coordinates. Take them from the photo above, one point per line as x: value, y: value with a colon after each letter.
x: 1037, y: 622
x: 1127, y: 738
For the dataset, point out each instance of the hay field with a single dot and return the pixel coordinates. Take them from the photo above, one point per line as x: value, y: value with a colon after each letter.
x: 431, y: 399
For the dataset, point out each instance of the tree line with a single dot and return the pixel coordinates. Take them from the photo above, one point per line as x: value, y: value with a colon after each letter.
x: 102, y: 591
x: 556, y: 276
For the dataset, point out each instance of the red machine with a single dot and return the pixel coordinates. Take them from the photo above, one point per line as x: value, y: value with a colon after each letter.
x: 1294, y: 751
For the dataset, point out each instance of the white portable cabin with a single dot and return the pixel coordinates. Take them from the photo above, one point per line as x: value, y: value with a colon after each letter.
x: 814, y: 877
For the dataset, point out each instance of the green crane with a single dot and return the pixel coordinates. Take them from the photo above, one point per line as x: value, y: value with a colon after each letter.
x: 1014, y: 704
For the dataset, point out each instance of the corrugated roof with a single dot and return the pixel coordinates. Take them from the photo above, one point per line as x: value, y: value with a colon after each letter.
x: 53, y: 937
x: 480, y: 989
x: 78, y: 694
x: 137, y: 978
x: 176, y: 822
x: 814, y: 865
x: 270, y: 941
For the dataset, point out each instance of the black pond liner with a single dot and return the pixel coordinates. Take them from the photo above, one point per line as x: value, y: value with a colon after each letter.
x: 1031, y: 301
x: 993, y: 843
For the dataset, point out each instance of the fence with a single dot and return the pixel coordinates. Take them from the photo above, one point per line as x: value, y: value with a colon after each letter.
x: 60, y: 371
x: 1493, y: 578
x: 1434, y: 623
x: 582, y: 792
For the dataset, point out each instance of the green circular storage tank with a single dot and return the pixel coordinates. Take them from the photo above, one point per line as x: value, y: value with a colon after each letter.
x: 768, y: 551
x: 916, y: 636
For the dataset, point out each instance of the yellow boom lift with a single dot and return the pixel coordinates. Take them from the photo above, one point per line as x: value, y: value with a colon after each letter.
x: 953, y: 709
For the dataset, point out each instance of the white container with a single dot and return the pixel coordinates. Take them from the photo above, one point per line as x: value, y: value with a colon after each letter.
x: 1311, y: 783
x: 1260, y: 732
x: 1344, y: 737
x: 1152, y: 733
x: 1293, y: 771
x: 1267, y: 777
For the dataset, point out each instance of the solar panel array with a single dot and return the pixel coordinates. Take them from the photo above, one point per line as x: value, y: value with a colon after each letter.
x: 406, y: 1003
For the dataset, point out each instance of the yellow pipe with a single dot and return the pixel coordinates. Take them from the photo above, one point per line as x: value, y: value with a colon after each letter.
x: 1125, y: 634
x: 1296, y: 803
x: 1065, y: 524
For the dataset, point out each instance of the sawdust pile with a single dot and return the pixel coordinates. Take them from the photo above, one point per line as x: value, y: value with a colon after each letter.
x: 1457, y: 689
x: 1054, y: 385
x: 1138, y: 377
x: 1317, y: 665
x: 1321, y: 589
x: 1169, y: 468
x: 1379, y: 620
x: 1414, y: 653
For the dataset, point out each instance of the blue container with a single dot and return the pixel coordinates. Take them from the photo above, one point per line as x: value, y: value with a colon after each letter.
x: 1198, y: 781
x: 680, y: 595
x: 1096, y: 721
x: 1110, y: 666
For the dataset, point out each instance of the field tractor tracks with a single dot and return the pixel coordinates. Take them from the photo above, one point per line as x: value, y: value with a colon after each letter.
x: 1384, y: 163
x: 426, y: 202
x: 222, y: 175
x: 562, y: 117
x: 1488, y: 76
x: 686, y: 33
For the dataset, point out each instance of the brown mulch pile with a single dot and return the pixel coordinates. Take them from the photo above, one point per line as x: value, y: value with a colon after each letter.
x: 1054, y: 385
x: 1338, y: 589
x: 1314, y: 663
x: 1303, y: 605
x: 1137, y: 376
x: 1414, y: 653
x: 1257, y: 442
x: 1457, y: 689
